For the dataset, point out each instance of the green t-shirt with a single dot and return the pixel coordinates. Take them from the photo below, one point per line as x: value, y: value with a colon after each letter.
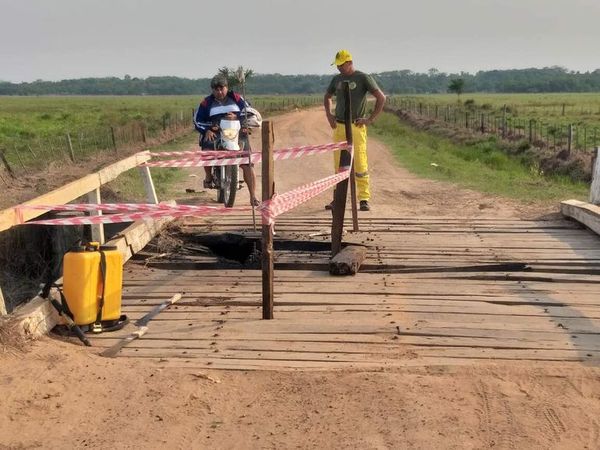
x: 360, y: 84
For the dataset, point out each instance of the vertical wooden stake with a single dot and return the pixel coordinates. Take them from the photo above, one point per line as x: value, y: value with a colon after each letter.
x: 268, y: 189
x: 149, y: 185
x: 114, y: 140
x: 570, y: 138
x: 8, y: 168
x: 93, y: 197
x: 143, y: 129
x: 70, y: 148
x: 595, y: 186
x: 341, y: 190
x: 3, y: 309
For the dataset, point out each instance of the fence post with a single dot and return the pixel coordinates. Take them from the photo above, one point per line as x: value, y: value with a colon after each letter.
x: 143, y: 129
x: 70, y: 147
x: 466, y: 119
x: 268, y: 189
x: 504, y: 121
x: 114, y: 140
x: 595, y: 186
x: 530, y: 131
x: 570, y: 138
x: 5, y: 161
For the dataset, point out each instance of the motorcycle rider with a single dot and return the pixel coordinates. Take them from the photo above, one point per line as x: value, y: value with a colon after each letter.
x: 223, y: 103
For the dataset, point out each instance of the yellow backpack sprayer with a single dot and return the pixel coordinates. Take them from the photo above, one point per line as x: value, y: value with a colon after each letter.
x: 92, y: 287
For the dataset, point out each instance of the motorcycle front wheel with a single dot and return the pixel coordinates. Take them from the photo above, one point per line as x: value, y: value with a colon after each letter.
x: 228, y: 186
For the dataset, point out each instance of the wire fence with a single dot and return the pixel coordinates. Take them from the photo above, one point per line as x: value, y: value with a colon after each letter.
x: 503, y: 123
x: 23, y: 155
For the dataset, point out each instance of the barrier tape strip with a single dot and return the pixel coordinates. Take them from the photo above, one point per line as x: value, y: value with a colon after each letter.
x: 182, y: 210
x: 270, y: 209
x: 194, y: 153
x: 282, y: 154
x: 117, y: 207
x: 280, y: 204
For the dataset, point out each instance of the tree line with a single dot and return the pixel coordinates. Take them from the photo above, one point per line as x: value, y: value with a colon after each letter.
x: 548, y: 79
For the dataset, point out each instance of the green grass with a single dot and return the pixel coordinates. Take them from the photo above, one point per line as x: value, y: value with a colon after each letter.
x: 129, y: 186
x: 33, y: 130
x: 579, y: 108
x: 482, y: 166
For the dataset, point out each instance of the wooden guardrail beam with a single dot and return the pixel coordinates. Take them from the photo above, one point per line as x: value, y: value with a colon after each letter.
x: 10, y: 217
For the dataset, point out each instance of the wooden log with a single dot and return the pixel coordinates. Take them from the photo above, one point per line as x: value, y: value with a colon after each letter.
x: 582, y: 212
x: 268, y: 189
x: 348, y: 260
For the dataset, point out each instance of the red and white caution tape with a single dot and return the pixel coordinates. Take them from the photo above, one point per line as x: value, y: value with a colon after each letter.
x: 145, y: 211
x: 130, y: 212
x: 113, y: 207
x: 280, y: 154
x: 280, y: 204
x: 196, y: 154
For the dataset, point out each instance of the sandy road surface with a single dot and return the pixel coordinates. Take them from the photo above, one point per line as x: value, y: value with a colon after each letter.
x: 59, y: 395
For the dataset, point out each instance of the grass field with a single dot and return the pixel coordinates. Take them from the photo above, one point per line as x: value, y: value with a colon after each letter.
x: 33, y: 130
x: 583, y: 108
x: 482, y: 166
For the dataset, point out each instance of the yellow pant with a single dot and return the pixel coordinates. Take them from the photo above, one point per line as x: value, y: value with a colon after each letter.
x: 361, y: 165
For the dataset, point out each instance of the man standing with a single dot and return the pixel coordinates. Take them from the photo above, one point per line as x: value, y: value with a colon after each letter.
x: 360, y: 84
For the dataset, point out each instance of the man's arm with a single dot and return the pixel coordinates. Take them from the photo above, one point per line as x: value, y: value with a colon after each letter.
x: 379, y: 102
x: 328, y: 103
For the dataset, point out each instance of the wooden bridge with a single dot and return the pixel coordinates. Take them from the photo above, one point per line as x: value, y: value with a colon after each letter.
x: 431, y: 291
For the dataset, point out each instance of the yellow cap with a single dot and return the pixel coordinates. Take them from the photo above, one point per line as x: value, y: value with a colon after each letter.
x: 341, y: 57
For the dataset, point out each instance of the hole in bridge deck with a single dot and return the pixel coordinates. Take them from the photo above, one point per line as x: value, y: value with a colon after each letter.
x: 175, y: 249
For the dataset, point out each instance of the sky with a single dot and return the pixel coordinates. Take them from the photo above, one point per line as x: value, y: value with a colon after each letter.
x: 64, y: 39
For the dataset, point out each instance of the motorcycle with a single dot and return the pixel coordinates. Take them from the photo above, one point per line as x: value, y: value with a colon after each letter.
x: 226, y: 179
x: 231, y: 136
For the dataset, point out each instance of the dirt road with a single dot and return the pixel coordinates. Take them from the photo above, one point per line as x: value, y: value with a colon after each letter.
x: 60, y: 395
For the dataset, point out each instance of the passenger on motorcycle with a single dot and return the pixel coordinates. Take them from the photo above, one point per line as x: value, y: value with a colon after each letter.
x: 223, y: 103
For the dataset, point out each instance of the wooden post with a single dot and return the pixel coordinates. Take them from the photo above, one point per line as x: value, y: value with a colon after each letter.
x: 504, y: 121
x: 341, y: 190
x: 268, y: 189
x: 353, y: 205
x: 530, y: 131
x: 8, y: 168
x: 93, y: 197
x: 114, y: 140
x: 595, y: 186
x: 70, y: 148
x: 143, y: 130
x: 3, y: 309
x: 570, y: 138
x: 148, y: 184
